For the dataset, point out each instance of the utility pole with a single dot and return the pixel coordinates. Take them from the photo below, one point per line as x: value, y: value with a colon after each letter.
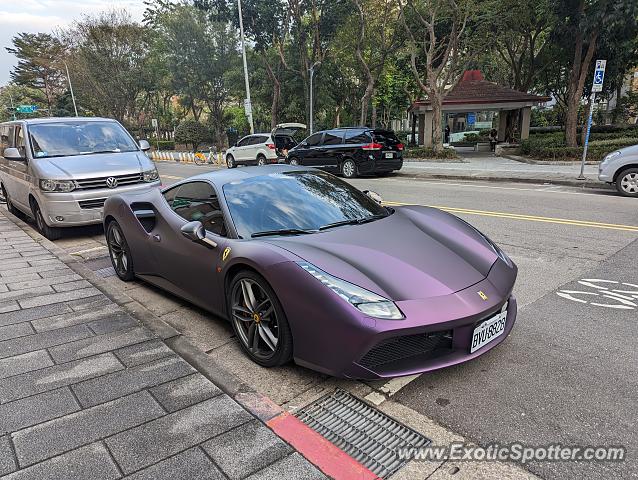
x: 68, y: 78
x: 248, y: 107
x: 312, y: 74
x: 13, y: 108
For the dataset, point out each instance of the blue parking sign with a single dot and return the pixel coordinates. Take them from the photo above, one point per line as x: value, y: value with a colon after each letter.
x: 599, y: 76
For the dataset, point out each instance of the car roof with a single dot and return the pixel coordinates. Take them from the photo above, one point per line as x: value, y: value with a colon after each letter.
x: 221, y: 177
x: 36, y: 121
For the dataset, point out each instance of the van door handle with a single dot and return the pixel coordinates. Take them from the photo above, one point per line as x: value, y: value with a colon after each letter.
x: 157, y: 238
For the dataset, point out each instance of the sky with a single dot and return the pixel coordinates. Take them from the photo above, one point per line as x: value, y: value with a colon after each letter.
x: 46, y: 16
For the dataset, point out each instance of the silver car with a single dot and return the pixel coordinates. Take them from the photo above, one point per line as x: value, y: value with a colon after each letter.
x: 621, y: 168
x: 60, y: 171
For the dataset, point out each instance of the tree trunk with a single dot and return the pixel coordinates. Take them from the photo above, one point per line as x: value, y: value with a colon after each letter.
x: 365, y: 101
x: 374, y: 112
x: 276, y: 93
x: 437, y: 133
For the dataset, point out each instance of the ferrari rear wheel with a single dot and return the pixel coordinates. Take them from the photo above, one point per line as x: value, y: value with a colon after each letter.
x: 259, y: 321
x: 119, y: 252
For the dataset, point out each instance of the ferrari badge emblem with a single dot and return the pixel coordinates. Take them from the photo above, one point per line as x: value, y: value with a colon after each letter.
x: 480, y: 292
x: 225, y: 254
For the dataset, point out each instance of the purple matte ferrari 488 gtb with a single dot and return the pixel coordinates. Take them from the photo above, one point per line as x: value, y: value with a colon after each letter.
x: 307, y: 267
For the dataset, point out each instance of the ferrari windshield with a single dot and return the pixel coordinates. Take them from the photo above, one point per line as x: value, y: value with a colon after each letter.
x: 76, y: 137
x: 293, y: 203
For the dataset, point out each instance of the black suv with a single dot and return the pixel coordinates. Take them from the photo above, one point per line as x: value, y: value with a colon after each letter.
x: 350, y: 151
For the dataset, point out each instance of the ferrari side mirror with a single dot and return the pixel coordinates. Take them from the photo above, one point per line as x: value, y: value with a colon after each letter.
x: 195, y: 232
x: 374, y: 196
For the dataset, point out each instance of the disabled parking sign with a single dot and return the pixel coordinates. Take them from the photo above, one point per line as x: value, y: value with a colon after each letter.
x: 599, y: 76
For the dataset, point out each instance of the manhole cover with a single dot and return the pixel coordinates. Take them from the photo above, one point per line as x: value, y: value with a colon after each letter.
x: 363, y: 432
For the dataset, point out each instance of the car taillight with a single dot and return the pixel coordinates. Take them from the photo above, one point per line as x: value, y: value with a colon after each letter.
x: 400, y: 147
x: 271, y: 146
x: 372, y: 146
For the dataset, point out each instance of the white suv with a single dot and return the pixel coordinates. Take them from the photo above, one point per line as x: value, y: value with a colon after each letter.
x: 264, y: 148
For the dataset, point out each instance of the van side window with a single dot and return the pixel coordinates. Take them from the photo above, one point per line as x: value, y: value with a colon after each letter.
x: 313, y: 140
x: 357, y: 136
x: 19, y: 142
x: 333, y: 138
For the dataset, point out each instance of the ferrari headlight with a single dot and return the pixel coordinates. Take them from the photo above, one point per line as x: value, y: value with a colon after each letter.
x: 151, y: 175
x: 364, y: 300
x: 57, y: 185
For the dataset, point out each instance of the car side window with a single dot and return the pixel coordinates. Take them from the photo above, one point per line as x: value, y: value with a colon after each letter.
x: 19, y: 141
x: 357, y: 136
x: 314, y: 140
x: 197, y: 201
x: 259, y: 139
x: 244, y: 141
x: 333, y: 138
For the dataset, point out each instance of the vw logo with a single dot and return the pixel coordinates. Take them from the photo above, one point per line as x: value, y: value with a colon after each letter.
x: 111, y: 182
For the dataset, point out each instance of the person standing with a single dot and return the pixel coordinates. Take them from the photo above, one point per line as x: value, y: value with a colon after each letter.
x: 493, y: 139
x: 447, y: 134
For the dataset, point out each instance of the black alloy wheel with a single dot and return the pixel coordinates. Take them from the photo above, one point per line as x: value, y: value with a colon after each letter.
x: 258, y: 320
x: 119, y: 252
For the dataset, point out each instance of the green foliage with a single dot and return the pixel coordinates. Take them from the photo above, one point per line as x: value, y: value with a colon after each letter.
x: 426, y: 152
x: 552, y: 147
x: 193, y: 133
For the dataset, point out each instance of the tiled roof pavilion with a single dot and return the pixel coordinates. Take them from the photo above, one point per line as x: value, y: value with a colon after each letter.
x: 474, y: 93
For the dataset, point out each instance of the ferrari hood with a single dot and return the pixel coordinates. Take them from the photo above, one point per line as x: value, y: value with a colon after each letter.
x: 415, y: 253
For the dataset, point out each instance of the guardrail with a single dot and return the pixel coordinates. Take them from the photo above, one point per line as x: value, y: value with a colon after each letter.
x: 183, y: 157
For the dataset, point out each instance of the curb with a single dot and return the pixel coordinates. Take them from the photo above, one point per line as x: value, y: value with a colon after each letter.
x: 593, y: 184
x: 327, y: 457
x: 531, y: 161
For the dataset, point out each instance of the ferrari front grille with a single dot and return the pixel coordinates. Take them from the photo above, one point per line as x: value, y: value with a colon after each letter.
x: 407, y: 346
x: 363, y: 432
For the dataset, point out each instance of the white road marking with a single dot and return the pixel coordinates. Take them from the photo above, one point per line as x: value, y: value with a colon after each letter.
x: 390, y: 388
x: 89, y: 250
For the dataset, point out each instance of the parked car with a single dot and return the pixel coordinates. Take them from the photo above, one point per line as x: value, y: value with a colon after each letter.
x: 350, y: 151
x: 621, y: 169
x: 264, y: 148
x: 60, y: 171
x: 307, y: 267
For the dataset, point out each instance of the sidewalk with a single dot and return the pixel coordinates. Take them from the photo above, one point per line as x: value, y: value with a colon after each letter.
x: 89, y: 392
x: 482, y: 166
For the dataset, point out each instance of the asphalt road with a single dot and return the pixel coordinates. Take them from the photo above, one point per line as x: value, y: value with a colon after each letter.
x: 567, y: 373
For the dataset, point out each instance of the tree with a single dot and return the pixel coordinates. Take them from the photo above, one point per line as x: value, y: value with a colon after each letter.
x: 438, y: 41
x: 108, y: 63
x: 39, y: 59
x: 191, y: 132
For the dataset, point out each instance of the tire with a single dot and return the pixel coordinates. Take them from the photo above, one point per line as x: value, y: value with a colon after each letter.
x: 199, y: 160
x: 627, y: 182
x: 294, y: 161
x: 261, y: 327
x: 119, y: 252
x: 349, y: 168
x: 230, y: 161
x: 12, y: 209
x: 51, y: 233
x: 261, y: 160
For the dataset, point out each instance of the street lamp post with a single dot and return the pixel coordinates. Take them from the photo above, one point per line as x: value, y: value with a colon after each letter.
x: 312, y: 74
x: 68, y: 78
x: 248, y: 105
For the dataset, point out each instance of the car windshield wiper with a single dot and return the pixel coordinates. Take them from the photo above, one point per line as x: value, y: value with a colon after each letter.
x: 283, y: 231
x: 117, y: 150
x: 354, y: 221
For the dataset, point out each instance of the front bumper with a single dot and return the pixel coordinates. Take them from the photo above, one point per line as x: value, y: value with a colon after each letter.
x: 81, y: 207
x: 605, y: 173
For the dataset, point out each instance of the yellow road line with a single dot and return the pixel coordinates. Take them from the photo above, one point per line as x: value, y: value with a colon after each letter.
x: 531, y: 218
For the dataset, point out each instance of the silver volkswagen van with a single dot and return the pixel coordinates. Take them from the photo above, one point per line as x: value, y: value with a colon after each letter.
x: 60, y: 171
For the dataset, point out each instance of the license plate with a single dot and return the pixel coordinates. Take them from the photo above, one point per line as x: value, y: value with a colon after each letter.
x: 488, y: 331
x: 389, y: 155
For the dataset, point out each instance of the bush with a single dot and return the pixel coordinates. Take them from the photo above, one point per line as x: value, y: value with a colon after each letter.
x: 427, y: 152
x: 552, y: 147
x: 193, y: 133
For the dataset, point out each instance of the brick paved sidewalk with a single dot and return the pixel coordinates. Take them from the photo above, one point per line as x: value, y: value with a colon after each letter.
x: 87, y: 392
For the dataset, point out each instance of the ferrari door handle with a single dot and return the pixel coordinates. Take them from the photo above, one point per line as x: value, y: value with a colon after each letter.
x: 157, y: 238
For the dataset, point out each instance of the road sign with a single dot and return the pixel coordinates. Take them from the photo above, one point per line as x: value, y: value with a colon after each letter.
x: 599, y: 76
x: 154, y: 123
x: 27, y: 108
x: 471, y: 118
x: 248, y: 108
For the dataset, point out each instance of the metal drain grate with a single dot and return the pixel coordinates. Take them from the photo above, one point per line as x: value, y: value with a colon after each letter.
x: 105, y: 272
x: 367, y: 435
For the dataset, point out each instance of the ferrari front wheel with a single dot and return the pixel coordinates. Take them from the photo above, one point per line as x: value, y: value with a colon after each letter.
x: 119, y: 252
x: 258, y: 320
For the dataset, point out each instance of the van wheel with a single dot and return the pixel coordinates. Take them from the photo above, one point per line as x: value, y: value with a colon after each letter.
x: 627, y: 182
x: 13, y: 210
x: 349, y: 169
x: 52, y: 233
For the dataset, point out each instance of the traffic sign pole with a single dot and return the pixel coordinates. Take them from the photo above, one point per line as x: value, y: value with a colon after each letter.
x: 597, y: 86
